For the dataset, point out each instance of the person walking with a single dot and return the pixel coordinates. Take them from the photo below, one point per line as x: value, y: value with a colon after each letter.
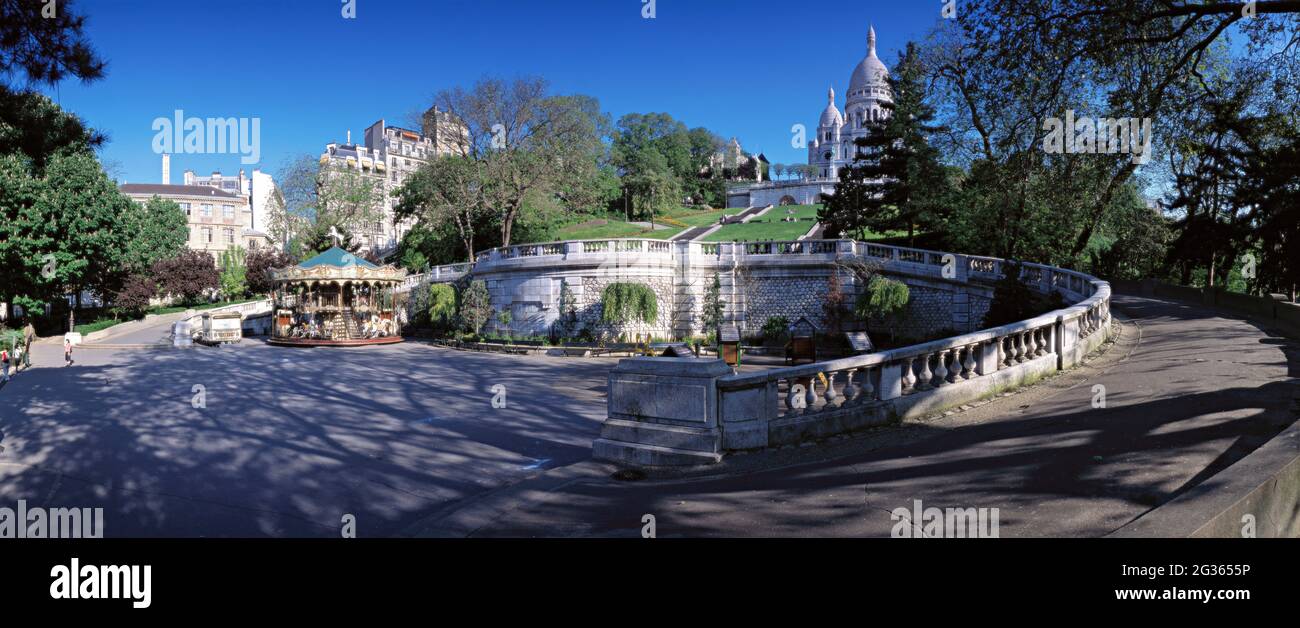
x: 29, y: 336
x: 4, y: 360
x: 67, y: 352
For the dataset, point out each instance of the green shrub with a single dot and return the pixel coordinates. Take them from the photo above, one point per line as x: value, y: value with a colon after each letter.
x: 776, y: 327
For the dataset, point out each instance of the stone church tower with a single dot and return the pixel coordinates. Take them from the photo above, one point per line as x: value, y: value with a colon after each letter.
x: 832, y: 148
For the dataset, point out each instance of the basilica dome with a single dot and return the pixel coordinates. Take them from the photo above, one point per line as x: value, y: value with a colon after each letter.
x: 831, y: 116
x: 870, y: 77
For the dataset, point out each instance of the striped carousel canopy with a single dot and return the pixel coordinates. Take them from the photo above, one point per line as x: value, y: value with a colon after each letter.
x: 338, y: 264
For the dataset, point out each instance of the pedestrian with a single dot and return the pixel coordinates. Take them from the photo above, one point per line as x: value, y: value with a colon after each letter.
x: 29, y: 336
x: 4, y: 360
x: 67, y: 352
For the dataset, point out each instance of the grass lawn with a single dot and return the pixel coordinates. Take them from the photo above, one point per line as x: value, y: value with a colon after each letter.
x: 760, y: 231
x: 103, y: 323
x: 592, y: 230
x: 702, y: 218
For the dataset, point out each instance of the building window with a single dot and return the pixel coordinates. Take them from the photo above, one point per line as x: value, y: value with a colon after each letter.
x: 227, y: 211
x: 186, y: 208
x: 207, y: 235
x: 207, y: 210
x: 230, y: 236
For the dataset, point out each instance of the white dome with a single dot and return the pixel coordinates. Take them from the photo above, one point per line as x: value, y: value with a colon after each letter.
x: 831, y: 116
x: 870, y: 74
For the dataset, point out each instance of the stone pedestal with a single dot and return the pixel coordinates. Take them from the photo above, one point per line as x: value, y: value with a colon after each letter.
x: 662, y: 412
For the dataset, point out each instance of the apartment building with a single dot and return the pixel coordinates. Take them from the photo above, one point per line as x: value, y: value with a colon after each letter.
x: 219, y: 217
x: 389, y: 154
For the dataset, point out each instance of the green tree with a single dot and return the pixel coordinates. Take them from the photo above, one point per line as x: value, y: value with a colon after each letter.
x: 23, y: 234
x: 441, y: 309
x: 158, y: 231
x: 1013, y: 300
x: 881, y: 301
x: 625, y: 302
x: 475, y: 307
x: 446, y: 193
x: 83, y: 213
x: 40, y: 47
x: 711, y: 314
x: 524, y: 142
x: 234, y: 273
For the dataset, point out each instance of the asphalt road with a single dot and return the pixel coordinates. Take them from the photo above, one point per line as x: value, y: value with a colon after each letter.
x: 1188, y: 392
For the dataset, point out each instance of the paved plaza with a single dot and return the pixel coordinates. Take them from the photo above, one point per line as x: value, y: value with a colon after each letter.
x: 290, y: 439
x: 1189, y: 392
x: 406, y: 438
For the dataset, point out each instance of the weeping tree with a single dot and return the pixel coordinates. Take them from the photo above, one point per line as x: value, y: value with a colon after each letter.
x: 629, y: 302
x: 881, y: 301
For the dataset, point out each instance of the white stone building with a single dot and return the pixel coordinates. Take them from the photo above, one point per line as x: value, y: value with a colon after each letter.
x: 831, y: 148
x: 869, y: 91
x: 219, y: 210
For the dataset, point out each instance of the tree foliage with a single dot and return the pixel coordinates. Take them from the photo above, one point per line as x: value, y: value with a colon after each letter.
x: 475, y: 307
x: 189, y: 277
x: 133, y: 299
x: 625, y: 302
x: 711, y: 314
x: 524, y: 141
x: 882, y: 300
x: 234, y: 273
x: 441, y: 309
x: 260, y: 262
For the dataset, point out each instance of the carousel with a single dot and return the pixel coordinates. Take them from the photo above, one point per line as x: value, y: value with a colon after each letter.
x: 336, y: 299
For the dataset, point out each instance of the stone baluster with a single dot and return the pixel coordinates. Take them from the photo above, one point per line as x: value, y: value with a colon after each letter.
x: 1006, y: 346
x: 924, y: 381
x: 909, y: 376
x: 1018, y: 341
x: 830, y: 396
x: 868, y: 391
x: 968, y: 367
x: 810, y: 396
x: 940, y: 371
x: 851, y: 388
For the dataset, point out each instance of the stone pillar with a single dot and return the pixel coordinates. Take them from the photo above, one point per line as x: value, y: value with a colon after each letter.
x: 891, y: 380
x: 662, y: 412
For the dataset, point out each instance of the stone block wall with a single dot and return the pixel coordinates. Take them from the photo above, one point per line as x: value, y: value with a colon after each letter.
x: 590, y: 309
x: 793, y: 286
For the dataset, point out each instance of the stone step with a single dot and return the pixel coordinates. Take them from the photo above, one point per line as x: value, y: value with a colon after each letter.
x: 650, y: 455
x: 671, y: 436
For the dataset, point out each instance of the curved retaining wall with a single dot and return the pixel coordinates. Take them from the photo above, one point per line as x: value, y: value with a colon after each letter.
x: 758, y: 280
x: 682, y: 411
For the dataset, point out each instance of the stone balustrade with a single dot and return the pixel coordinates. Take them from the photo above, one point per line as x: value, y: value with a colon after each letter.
x: 790, y: 405
x: 950, y: 290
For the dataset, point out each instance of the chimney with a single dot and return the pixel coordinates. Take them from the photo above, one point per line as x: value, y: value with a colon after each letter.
x: 349, y: 136
x: 167, y: 169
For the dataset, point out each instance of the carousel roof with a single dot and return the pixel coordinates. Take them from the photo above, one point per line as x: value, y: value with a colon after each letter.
x: 337, y: 258
x: 338, y: 264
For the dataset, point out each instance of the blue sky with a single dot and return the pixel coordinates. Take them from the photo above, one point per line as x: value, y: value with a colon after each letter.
x: 744, y: 68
